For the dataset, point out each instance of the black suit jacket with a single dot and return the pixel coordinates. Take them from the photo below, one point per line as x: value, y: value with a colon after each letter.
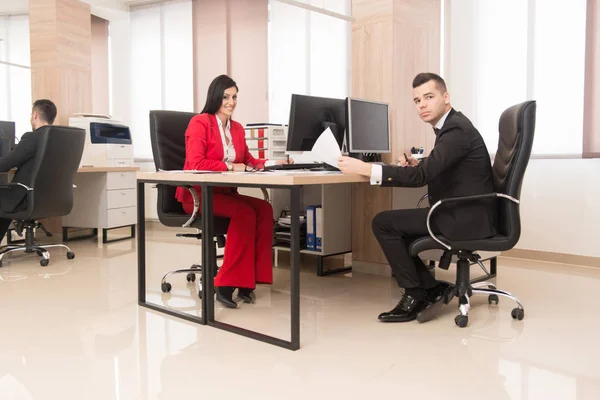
x: 458, y: 165
x: 23, y: 158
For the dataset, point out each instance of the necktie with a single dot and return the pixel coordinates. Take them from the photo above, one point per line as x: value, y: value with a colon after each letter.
x: 436, y: 131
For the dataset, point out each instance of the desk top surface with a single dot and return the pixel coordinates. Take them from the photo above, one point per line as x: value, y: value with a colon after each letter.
x: 256, y: 178
x: 107, y: 169
x: 92, y: 169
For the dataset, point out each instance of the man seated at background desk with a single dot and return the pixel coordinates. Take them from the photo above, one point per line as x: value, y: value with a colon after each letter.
x: 458, y: 165
x: 22, y: 158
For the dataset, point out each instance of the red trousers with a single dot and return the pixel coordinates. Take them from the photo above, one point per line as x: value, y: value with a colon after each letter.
x: 248, y: 249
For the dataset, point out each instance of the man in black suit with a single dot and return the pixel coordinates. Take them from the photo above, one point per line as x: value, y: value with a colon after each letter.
x: 458, y: 165
x: 23, y: 159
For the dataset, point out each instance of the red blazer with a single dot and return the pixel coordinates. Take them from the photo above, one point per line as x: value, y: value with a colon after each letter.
x: 204, y: 150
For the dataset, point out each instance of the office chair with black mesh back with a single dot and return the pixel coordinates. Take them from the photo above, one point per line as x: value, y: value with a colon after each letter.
x: 517, y: 126
x: 50, y: 195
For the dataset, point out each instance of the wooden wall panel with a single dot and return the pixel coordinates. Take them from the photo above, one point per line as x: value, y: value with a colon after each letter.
x: 60, y: 37
x: 43, y: 33
x: 372, y: 79
x: 417, y: 49
x: 210, y: 45
x: 248, y: 58
x: 231, y: 37
x: 392, y: 41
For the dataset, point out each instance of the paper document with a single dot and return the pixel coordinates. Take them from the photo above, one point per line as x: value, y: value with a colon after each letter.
x: 326, y: 149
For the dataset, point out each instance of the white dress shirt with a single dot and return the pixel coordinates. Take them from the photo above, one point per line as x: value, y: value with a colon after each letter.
x: 377, y: 170
x: 228, y: 149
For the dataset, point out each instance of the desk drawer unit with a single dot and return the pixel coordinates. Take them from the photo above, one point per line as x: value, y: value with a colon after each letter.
x: 103, y: 201
x: 120, y: 198
x: 120, y: 180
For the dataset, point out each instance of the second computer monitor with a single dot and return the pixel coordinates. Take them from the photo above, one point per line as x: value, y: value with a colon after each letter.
x: 7, y: 137
x: 368, y: 126
x: 310, y: 116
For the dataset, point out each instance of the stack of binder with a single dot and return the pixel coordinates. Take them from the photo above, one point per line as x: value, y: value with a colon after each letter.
x: 314, y: 228
x: 282, y: 231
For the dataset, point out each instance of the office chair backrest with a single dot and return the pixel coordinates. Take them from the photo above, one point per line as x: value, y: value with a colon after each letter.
x: 517, y: 126
x: 167, y: 135
x: 57, y: 159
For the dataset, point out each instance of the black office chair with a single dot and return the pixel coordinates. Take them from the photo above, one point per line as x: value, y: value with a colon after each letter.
x: 517, y: 126
x: 51, y: 193
x: 167, y: 135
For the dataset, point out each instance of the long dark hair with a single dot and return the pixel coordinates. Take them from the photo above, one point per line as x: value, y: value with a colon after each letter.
x: 214, y: 97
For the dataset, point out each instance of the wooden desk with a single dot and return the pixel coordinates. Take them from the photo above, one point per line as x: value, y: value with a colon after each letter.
x: 292, y: 182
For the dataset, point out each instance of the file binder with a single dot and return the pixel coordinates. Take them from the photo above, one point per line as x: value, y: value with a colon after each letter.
x: 319, y: 228
x: 311, y: 239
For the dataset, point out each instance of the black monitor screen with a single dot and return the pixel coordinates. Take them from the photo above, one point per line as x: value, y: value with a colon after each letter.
x: 7, y: 137
x: 368, y: 126
x: 310, y: 116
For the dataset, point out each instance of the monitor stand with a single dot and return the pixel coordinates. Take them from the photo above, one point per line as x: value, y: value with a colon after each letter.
x: 367, y: 157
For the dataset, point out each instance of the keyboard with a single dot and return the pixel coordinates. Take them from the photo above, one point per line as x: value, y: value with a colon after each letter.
x: 309, y: 166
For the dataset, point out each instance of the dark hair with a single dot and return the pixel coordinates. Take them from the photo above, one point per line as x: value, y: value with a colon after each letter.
x: 46, y: 109
x: 214, y: 97
x: 425, y: 77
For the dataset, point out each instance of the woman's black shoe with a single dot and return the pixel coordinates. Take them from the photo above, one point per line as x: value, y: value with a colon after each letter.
x: 225, y: 296
x: 247, y: 295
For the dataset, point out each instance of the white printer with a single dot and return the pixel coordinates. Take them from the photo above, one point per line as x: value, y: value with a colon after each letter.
x: 107, y: 142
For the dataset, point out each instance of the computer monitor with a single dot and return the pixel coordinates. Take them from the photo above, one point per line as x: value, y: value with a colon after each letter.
x: 368, y: 126
x: 310, y: 116
x: 7, y: 137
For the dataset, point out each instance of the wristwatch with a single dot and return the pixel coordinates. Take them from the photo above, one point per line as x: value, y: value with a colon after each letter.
x: 229, y: 167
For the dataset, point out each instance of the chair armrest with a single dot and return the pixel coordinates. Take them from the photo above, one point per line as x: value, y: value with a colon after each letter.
x: 11, y: 185
x: 265, y: 194
x: 426, y: 195
x: 196, y: 202
x: 196, y: 206
x: 462, y: 199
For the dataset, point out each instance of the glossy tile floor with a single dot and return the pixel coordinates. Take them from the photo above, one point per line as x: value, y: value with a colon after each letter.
x: 73, y: 330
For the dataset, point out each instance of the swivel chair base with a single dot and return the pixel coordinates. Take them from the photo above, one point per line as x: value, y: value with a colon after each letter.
x: 31, y: 246
x: 464, y: 291
x: 191, y: 272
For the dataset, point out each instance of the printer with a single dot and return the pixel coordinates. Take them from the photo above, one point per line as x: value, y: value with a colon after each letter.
x: 107, y: 142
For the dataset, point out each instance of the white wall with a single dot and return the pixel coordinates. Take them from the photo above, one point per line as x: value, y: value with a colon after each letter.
x: 560, y: 210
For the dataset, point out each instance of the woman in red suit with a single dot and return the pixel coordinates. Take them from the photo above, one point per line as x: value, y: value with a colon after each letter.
x: 215, y: 142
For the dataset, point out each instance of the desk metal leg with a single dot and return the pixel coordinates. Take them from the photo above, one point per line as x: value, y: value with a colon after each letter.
x: 141, y: 247
x: 295, y: 269
x: 209, y: 260
x: 294, y: 343
x: 141, y: 244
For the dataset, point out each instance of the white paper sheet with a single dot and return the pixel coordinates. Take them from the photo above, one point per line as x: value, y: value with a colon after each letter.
x: 326, y: 149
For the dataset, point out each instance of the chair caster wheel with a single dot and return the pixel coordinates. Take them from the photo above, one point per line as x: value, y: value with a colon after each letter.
x: 44, y: 262
x: 200, y: 294
x: 461, y: 320
x: 165, y: 287
x: 70, y: 255
x: 196, y: 266
x: 493, y: 298
x: 518, y: 313
x: 191, y: 277
x: 39, y: 253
